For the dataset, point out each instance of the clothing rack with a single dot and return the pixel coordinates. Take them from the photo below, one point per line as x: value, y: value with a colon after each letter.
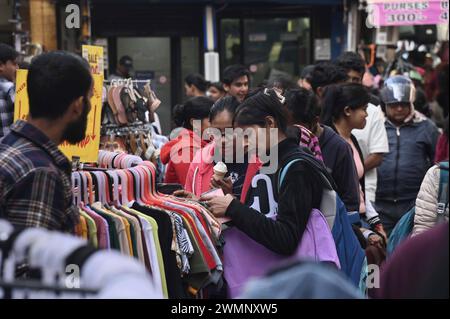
x: 115, y: 129
x: 124, y: 81
x: 49, y: 253
x: 125, y: 200
x: 8, y: 287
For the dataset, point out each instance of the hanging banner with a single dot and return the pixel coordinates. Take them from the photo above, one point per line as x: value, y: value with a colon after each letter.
x: 407, y: 13
x: 87, y: 149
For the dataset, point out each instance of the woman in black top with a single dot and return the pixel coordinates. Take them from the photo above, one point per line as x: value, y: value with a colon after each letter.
x: 281, y: 213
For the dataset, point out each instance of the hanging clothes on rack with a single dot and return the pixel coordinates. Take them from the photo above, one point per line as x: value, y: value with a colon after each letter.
x: 177, y: 240
x: 64, y: 266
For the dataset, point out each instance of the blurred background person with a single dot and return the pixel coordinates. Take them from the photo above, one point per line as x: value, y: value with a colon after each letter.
x: 236, y: 81
x: 8, y: 68
x: 195, y: 85
x: 216, y: 91
x: 123, y: 70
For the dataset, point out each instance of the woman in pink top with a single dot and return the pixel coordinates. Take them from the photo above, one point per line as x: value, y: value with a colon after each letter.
x: 344, y: 109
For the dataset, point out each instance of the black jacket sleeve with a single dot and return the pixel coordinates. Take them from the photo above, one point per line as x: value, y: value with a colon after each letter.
x: 299, y: 193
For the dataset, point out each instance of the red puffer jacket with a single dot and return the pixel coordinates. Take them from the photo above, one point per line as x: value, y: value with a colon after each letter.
x: 178, y: 155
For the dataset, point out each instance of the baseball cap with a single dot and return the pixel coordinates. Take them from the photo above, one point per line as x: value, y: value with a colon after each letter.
x: 126, y: 61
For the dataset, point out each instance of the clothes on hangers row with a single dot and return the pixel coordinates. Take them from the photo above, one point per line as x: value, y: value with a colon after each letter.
x: 107, y: 159
x: 176, y: 239
x: 152, y: 153
x: 66, y: 261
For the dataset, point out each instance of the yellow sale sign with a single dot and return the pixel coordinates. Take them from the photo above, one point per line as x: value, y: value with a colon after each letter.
x: 94, y: 55
x: 21, y: 107
x: 87, y: 149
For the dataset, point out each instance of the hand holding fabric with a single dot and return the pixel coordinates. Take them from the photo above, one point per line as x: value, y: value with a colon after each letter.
x: 219, y: 205
x: 184, y: 194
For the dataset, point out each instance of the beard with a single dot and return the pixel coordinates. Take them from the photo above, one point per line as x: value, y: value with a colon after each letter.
x: 75, y: 132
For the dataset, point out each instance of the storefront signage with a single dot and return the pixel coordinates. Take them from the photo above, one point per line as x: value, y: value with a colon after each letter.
x: 322, y: 49
x: 403, y: 13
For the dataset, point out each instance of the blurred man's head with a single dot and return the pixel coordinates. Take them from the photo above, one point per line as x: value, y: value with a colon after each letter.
x: 125, y: 66
x: 305, y: 75
x: 8, y: 62
x: 354, y: 66
x: 398, y: 96
x: 324, y: 74
x: 281, y: 83
x: 236, y: 80
x: 60, y: 87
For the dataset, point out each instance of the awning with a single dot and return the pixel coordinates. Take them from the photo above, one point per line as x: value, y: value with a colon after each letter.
x: 407, y: 12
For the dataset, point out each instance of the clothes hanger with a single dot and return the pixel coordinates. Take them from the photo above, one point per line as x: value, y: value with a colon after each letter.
x: 20, y: 247
x: 37, y: 251
x: 84, y: 190
x: 144, y: 193
x: 132, y: 189
x: 90, y: 187
x: 108, y: 182
x: 124, y: 187
x: 76, y: 188
x: 100, y: 158
x: 147, y: 176
x: 115, y: 187
x: 146, y: 180
x: 117, y: 160
x: 149, y: 165
x: 95, y: 186
x: 122, y: 160
x: 138, y: 188
x: 111, y: 158
x: 100, y: 193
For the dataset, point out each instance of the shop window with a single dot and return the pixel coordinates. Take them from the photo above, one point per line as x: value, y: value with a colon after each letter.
x: 230, y: 42
x: 269, y: 47
x: 274, y: 47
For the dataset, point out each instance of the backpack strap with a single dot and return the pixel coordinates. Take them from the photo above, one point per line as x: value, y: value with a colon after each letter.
x: 443, y: 191
x: 286, y: 167
x: 328, y: 204
x: 284, y: 171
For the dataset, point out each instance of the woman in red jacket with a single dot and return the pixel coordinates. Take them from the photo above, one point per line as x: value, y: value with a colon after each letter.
x: 179, y: 152
x: 200, y: 176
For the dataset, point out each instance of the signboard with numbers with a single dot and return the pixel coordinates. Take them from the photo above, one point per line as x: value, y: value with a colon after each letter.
x: 404, y: 12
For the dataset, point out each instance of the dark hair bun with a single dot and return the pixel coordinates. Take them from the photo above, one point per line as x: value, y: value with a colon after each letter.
x: 179, y: 114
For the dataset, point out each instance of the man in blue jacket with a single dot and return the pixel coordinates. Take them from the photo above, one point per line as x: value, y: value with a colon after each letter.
x: 412, y: 141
